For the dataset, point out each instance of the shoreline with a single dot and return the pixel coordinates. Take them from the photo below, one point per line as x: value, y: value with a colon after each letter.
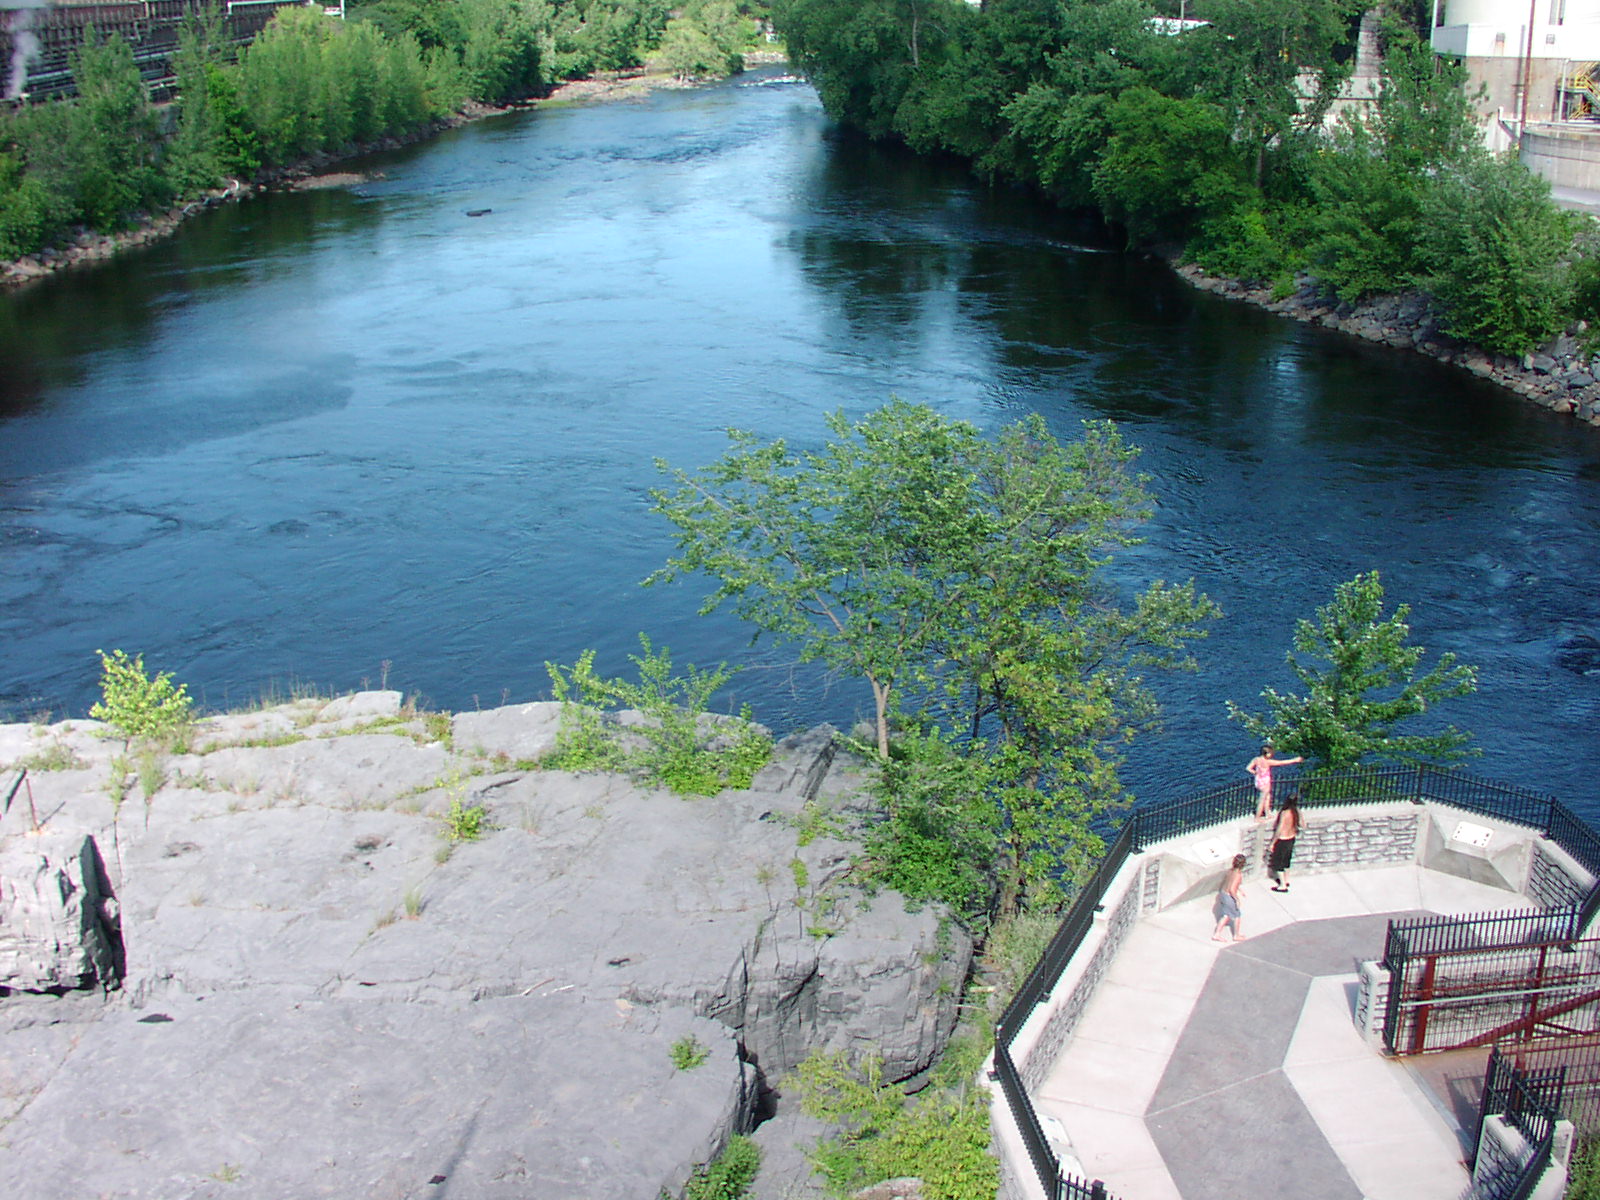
x: 1557, y: 376
x: 86, y: 247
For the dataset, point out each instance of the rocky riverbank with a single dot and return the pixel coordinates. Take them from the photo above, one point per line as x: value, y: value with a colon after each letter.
x: 268, y: 970
x: 1558, y: 376
x: 87, y: 247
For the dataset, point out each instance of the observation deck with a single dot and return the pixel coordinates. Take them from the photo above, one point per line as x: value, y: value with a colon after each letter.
x: 1145, y: 1061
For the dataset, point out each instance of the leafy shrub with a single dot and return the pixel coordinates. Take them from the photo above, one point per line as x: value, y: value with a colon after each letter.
x: 1248, y: 242
x: 942, y: 1139
x: 464, y: 822
x: 1494, y: 248
x: 730, y: 1175
x: 685, y: 749
x: 1583, y: 1177
x: 584, y: 740
x: 1168, y: 162
x: 137, y: 706
x: 688, y: 1052
x: 937, y: 839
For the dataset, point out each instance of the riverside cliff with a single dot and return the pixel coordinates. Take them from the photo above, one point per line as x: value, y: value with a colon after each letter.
x: 269, y: 971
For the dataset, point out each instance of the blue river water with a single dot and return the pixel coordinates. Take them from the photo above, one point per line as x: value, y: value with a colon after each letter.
x: 352, y: 436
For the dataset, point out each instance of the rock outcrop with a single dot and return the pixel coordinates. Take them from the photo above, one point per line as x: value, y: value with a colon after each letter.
x: 58, y: 921
x: 322, y: 995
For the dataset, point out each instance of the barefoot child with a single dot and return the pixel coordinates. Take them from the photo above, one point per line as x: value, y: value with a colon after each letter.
x: 1260, y: 769
x: 1228, y: 899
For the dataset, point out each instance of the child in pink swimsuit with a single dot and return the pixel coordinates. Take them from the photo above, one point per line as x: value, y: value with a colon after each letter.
x: 1261, y: 768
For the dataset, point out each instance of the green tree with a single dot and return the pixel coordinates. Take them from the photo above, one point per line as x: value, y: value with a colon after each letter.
x: 1167, y: 163
x: 1047, y: 663
x: 1495, y: 247
x: 1361, y: 677
x: 137, y: 706
x: 861, y: 54
x: 706, y: 38
x: 280, y: 83
x: 1370, y: 180
x: 964, y: 574
x: 113, y: 140
x: 1251, y: 60
x: 844, y: 552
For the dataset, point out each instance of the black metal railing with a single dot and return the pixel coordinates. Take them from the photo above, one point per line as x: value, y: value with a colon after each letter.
x: 1073, y: 1188
x: 1069, y: 935
x: 1154, y: 823
x: 1579, y: 1057
x: 1414, y: 937
x: 1530, y: 1101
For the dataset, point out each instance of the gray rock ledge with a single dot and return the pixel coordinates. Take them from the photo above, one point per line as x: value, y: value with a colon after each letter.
x: 315, y: 1000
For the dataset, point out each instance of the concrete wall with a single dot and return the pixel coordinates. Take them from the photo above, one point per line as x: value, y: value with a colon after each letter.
x: 1568, y: 155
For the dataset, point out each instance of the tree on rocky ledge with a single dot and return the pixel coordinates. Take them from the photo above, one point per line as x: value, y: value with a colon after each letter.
x: 1367, y: 683
x: 961, y: 577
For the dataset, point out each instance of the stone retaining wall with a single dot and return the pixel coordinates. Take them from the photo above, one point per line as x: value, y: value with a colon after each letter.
x: 1067, y: 1012
x: 1331, y: 843
x: 1551, y: 882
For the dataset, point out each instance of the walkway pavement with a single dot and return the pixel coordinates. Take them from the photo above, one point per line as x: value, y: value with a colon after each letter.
x: 1204, y: 1071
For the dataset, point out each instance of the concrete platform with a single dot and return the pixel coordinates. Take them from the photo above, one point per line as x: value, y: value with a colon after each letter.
x: 1211, y: 1071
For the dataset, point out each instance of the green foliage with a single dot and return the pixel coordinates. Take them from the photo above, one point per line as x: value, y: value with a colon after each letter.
x: 499, y: 49
x: 706, y: 38
x: 137, y: 706
x: 729, y: 1175
x: 1213, y: 139
x: 684, y: 748
x: 1583, y: 1175
x: 212, y: 138
x: 687, y: 1053
x: 114, y: 140
x: 308, y: 83
x: 1168, y: 162
x: 1584, y: 275
x: 942, y: 1138
x: 57, y: 756
x: 1371, y: 180
x: 584, y: 739
x: 29, y: 210
x: 463, y: 822
x: 962, y: 573
x: 1361, y: 679
x: 938, y: 839
x: 1494, y: 249
x: 1252, y: 242
x: 96, y: 159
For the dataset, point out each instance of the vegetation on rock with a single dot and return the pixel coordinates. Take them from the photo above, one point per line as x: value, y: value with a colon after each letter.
x: 962, y: 578
x: 137, y: 706
x: 679, y: 744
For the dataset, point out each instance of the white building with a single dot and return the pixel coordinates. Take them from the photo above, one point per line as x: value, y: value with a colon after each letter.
x: 1537, y: 59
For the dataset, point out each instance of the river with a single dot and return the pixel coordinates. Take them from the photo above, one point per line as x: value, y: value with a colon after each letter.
x: 345, y: 437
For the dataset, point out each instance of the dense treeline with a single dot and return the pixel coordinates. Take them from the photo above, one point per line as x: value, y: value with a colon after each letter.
x: 310, y: 83
x: 1218, y: 139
